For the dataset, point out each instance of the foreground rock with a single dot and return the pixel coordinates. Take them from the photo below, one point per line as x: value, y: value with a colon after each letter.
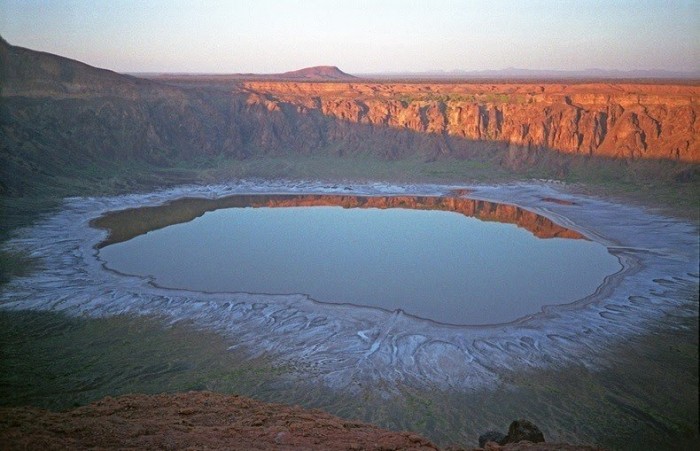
x: 198, y: 419
x: 205, y: 420
x: 518, y: 431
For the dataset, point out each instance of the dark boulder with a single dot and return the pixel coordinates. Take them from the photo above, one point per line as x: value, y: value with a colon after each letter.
x: 520, y: 430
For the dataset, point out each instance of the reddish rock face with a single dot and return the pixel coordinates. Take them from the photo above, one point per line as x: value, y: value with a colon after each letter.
x: 59, y: 114
x: 622, y: 120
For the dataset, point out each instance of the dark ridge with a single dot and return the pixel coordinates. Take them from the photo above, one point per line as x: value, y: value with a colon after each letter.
x: 35, y: 73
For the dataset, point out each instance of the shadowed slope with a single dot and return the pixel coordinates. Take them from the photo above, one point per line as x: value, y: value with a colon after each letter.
x: 74, y: 128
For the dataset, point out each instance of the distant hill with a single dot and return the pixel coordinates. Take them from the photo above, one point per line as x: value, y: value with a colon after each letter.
x: 318, y: 73
x: 314, y: 73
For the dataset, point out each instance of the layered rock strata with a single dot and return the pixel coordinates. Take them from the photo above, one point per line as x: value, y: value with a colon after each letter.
x: 57, y: 115
x: 621, y: 120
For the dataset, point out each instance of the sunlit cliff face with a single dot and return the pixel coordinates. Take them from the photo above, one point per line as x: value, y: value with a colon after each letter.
x: 60, y: 115
x: 622, y: 121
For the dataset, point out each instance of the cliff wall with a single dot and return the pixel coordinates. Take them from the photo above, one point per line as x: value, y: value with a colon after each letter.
x: 63, y: 120
x: 612, y: 120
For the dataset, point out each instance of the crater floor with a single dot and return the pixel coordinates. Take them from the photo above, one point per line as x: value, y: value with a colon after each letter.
x: 350, y: 350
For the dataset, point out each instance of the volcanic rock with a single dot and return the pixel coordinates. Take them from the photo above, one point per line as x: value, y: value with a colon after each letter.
x: 520, y: 430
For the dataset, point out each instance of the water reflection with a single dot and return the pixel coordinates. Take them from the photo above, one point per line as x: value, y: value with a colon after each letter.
x: 401, y: 252
x: 126, y: 224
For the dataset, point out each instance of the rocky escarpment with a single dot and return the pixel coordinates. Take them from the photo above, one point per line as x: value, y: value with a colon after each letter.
x: 63, y: 120
x: 622, y: 120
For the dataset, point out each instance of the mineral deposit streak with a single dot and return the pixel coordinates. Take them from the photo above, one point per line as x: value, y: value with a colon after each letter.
x: 348, y: 346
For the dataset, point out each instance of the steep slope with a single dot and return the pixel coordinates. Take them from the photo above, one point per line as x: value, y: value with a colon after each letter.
x: 64, y: 122
x: 25, y: 72
x: 59, y: 117
x: 622, y: 120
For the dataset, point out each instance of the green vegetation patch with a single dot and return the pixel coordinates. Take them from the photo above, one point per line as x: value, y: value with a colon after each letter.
x: 14, y: 263
x: 53, y: 361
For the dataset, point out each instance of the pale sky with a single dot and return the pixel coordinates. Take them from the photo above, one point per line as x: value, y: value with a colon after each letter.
x: 359, y: 36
